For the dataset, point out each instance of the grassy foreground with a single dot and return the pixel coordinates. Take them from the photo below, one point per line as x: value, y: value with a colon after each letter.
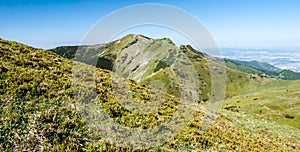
x: 269, y: 99
x: 41, y: 112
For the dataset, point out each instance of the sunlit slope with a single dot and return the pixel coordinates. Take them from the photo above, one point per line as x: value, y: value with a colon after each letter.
x: 41, y: 109
x: 273, y: 100
x: 144, y: 60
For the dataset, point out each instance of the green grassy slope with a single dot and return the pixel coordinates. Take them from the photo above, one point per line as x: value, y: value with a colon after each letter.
x: 273, y: 100
x: 144, y: 60
x: 242, y: 68
x: 258, y: 65
x: 36, y: 110
x: 39, y: 111
x: 289, y: 75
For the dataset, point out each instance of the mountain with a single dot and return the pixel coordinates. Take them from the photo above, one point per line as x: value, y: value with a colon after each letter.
x: 241, y: 67
x: 282, y: 58
x: 289, y: 75
x: 49, y: 103
x: 262, y: 66
x: 154, y: 60
x: 259, y: 68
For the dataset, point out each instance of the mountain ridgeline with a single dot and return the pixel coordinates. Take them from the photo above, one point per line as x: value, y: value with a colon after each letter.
x: 256, y: 67
x: 51, y: 103
x: 145, y: 59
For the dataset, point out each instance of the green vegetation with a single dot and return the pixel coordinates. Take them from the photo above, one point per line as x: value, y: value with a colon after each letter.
x: 66, y: 51
x: 36, y: 110
x: 40, y: 109
x: 289, y: 75
x: 242, y: 68
x: 152, y: 62
x: 273, y: 100
x: 261, y: 68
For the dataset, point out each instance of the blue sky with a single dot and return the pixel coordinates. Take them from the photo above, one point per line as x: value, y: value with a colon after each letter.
x: 232, y: 23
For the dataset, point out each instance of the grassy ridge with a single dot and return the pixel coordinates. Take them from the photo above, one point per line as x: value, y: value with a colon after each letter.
x: 36, y: 109
x: 154, y: 59
x: 39, y: 111
x: 257, y: 65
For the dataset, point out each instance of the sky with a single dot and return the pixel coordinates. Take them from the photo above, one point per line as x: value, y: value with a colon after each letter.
x: 254, y: 24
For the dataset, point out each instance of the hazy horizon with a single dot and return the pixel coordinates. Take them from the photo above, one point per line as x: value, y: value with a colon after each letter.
x: 233, y: 24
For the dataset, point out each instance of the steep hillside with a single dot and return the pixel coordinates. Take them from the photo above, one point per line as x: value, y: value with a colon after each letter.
x: 241, y: 67
x: 289, y: 75
x: 145, y: 59
x: 36, y: 110
x: 46, y: 105
x: 256, y: 67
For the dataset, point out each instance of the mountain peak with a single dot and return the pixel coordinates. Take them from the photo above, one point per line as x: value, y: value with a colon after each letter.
x: 143, y: 37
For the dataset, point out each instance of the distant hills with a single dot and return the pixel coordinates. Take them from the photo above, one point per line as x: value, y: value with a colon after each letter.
x: 152, y: 62
x: 44, y: 106
x: 282, y: 58
x: 263, y: 66
x: 256, y: 67
x: 106, y: 59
